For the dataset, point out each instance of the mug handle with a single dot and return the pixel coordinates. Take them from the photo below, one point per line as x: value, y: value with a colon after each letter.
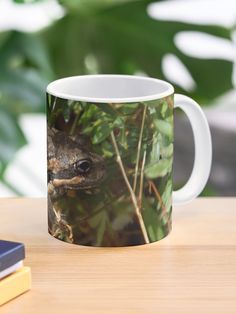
x: 203, y: 150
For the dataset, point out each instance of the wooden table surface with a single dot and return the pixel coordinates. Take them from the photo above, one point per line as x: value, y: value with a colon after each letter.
x: 193, y: 270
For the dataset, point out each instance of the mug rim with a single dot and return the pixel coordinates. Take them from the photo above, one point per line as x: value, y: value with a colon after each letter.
x: 54, y: 90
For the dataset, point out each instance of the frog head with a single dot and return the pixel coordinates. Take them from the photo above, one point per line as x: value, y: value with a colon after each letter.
x: 71, y: 165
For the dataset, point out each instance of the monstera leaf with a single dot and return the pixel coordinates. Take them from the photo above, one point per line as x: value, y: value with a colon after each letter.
x: 122, y: 38
x: 106, y: 36
x: 91, y: 5
x: 24, y: 72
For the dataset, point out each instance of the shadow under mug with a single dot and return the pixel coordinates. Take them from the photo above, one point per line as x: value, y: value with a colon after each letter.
x: 110, y: 156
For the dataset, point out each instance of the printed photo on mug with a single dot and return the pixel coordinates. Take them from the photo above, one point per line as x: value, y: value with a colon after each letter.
x: 110, y: 159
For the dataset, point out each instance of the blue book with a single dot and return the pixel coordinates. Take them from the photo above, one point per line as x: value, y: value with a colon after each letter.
x: 11, y: 253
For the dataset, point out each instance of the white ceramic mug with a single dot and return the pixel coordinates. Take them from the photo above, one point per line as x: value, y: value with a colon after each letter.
x: 110, y: 156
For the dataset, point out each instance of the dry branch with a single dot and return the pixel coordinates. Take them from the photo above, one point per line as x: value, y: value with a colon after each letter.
x: 132, y: 195
x: 139, y: 149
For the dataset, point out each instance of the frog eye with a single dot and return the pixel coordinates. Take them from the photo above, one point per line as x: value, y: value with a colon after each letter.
x: 83, y: 165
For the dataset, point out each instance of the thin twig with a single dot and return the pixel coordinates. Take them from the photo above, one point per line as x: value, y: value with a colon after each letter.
x: 170, y: 102
x: 141, y: 180
x: 72, y: 130
x: 54, y: 103
x: 62, y: 224
x: 132, y: 195
x: 139, y: 149
x: 159, y: 198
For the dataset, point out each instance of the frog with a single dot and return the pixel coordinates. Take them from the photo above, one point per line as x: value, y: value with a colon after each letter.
x: 71, y: 167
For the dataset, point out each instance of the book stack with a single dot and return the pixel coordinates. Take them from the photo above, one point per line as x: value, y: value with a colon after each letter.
x: 15, y: 279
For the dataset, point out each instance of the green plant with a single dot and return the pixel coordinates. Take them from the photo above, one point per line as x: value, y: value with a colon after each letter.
x: 93, y: 37
x: 134, y: 142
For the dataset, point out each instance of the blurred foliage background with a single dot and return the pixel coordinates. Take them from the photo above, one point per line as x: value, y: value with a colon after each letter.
x: 116, y: 36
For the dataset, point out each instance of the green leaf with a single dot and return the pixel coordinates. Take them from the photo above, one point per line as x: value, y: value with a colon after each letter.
x: 128, y: 109
x: 167, y: 151
x: 89, y: 113
x: 124, y: 39
x: 156, y: 147
x: 109, y: 109
x: 25, y: 72
x: 154, y: 226
x: 160, y: 233
x: 101, y: 132
x: 107, y: 149
x: 164, y: 108
x: 164, y: 127
x: 167, y: 195
x: 159, y: 169
x: 118, y: 123
x: 89, y: 6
